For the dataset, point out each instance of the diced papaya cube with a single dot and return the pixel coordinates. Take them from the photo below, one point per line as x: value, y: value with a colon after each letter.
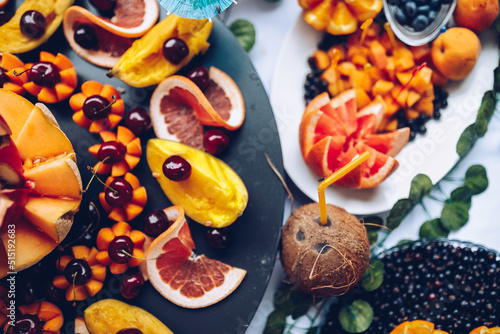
x: 404, y: 77
x: 330, y: 75
x: 132, y: 210
x: 400, y: 95
x: 346, y: 68
x: 392, y: 125
x: 337, y: 51
x: 122, y: 167
x: 391, y: 106
x: 422, y: 80
x: 421, y: 53
x: 413, y: 97
x: 335, y: 88
x: 321, y: 59
x: 378, y: 55
x: 382, y: 87
x: 362, y: 99
x: 77, y: 293
x: 361, y: 79
x: 425, y: 106
x: 80, y: 252
x: 412, y: 114
x: 403, y: 59
x: 93, y: 287
x: 390, y: 68
x: 359, y: 59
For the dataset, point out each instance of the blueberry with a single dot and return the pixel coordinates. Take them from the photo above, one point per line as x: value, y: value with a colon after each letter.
x: 435, y: 4
x: 421, y: 2
x: 432, y: 15
x: 410, y: 9
x: 422, y: 129
x: 400, y: 16
x: 423, y: 10
x: 420, y: 22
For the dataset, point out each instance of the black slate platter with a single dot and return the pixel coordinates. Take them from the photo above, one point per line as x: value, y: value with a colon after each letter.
x: 255, y: 235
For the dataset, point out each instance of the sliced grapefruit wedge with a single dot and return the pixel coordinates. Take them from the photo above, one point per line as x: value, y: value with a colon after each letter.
x: 184, y: 278
x: 179, y: 107
x: 333, y: 132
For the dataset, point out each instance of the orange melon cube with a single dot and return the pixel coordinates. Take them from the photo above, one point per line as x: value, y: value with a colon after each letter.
x: 382, y: 87
x: 390, y: 68
x: 413, y: 97
x: 412, y: 114
x: 321, y: 59
x: 378, y: 55
x: 15, y: 110
x: 330, y: 75
x: 361, y: 79
x: 425, y: 106
x: 422, y: 80
x: 391, y: 105
x: 362, y: 99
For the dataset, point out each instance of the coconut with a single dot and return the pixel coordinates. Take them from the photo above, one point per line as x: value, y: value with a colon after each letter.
x: 324, y: 260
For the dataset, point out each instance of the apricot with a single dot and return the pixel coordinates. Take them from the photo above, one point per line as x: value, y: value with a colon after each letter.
x: 476, y: 15
x: 455, y: 52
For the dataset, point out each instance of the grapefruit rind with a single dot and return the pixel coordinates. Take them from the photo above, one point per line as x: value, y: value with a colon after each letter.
x: 180, y: 230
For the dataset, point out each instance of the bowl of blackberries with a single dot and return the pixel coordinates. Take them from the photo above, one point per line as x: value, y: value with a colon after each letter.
x: 417, y: 22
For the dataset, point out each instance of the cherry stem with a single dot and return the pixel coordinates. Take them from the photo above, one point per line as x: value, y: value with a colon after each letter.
x: 74, y: 289
x: 283, y: 182
x: 106, y: 107
x: 29, y: 69
x: 62, y: 248
x: 94, y: 175
x: 139, y: 258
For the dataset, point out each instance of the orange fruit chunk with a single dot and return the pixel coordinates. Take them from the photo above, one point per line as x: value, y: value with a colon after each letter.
x: 10, y: 63
x: 416, y: 327
x: 186, y: 279
x: 485, y: 330
x: 50, y: 315
x: 476, y: 15
x: 332, y: 133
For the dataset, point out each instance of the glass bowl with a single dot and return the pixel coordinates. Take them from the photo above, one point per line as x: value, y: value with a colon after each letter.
x: 411, y: 37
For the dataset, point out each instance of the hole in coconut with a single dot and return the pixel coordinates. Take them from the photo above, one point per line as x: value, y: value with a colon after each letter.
x: 328, y: 222
x: 322, y: 248
x: 300, y: 236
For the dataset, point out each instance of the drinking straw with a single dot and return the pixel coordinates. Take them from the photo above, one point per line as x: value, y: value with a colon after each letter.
x: 335, y: 177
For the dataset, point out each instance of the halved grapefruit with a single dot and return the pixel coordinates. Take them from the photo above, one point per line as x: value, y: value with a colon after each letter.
x: 133, y: 18
x: 40, y: 185
x: 333, y: 132
x: 179, y: 108
x: 184, y: 278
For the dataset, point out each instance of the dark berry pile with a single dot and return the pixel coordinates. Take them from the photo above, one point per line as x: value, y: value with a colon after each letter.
x: 417, y: 14
x: 455, y: 286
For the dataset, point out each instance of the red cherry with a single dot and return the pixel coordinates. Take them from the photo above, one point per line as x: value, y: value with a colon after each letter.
x: 112, y: 151
x: 33, y: 24
x: 78, y: 271
x: 175, y: 49
x: 138, y: 121
x: 215, y: 141
x: 103, y: 5
x: 119, y: 193
x: 120, y: 249
x: 217, y: 237
x: 45, y: 74
x: 131, y: 285
x: 96, y: 107
x: 27, y: 324
x: 199, y: 75
x: 5, y: 16
x: 176, y: 168
x: 156, y: 222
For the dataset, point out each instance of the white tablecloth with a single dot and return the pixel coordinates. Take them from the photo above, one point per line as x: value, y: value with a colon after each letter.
x: 272, y: 22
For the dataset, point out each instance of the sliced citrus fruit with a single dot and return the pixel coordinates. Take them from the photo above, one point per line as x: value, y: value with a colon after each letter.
x: 213, y: 195
x: 8, y: 80
x: 11, y: 38
x: 416, y: 327
x: 179, y: 107
x: 144, y: 64
x: 42, y: 196
x: 332, y: 133
x: 485, y: 330
x: 186, y: 279
x: 112, y: 36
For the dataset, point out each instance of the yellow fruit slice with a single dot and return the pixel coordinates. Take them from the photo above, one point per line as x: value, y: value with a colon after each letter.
x: 364, y: 9
x: 15, y: 110
x: 51, y: 215
x: 41, y: 128
x: 342, y: 21
x: 11, y: 38
x: 108, y: 316
x: 184, y: 278
x: 143, y: 64
x: 214, y: 195
x: 48, y: 177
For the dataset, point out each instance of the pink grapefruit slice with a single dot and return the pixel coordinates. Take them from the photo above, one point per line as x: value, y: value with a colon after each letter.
x: 182, y: 277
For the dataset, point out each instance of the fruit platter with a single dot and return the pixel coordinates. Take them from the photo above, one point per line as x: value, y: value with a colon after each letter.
x: 432, y: 152
x: 84, y: 230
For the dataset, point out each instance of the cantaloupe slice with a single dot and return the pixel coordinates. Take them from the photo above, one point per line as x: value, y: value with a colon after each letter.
x: 30, y: 243
x: 41, y: 136
x: 51, y: 215
x: 57, y: 178
x: 15, y: 109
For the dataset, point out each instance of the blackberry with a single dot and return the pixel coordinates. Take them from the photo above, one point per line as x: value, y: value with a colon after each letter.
x: 453, y: 284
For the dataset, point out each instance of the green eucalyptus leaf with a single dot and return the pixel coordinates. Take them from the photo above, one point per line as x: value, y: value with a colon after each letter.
x: 466, y: 141
x: 374, y: 276
x: 356, y: 317
x: 302, y: 302
x: 244, y: 32
x: 421, y: 186
x: 276, y: 322
x: 496, y: 72
x: 433, y: 229
x: 398, y: 212
x: 454, y: 215
x: 404, y: 241
x: 462, y: 194
x: 476, y: 179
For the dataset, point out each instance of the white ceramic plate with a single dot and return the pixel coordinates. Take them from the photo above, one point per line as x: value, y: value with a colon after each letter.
x: 432, y: 154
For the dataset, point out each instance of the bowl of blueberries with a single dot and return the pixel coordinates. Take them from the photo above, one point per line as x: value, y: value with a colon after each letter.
x: 416, y: 22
